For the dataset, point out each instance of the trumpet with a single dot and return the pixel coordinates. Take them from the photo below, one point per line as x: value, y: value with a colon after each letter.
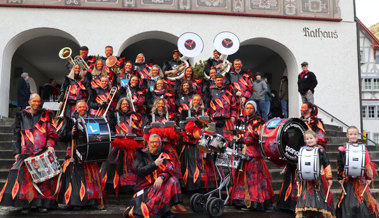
x: 112, y: 93
x: 65, y: 53
x: 62, y: 109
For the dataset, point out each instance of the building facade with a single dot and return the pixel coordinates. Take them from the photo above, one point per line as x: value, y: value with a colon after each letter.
x: 275, y: 37
x: 369, y: 61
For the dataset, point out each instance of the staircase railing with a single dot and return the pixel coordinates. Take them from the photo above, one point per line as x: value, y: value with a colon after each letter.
x: 334, y: 118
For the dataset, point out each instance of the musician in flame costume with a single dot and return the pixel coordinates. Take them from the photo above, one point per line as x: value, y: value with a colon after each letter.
x: 117, y: 172
x: 155, y: 74
x: 184, y: 96
x: 140, y: 67
x: 252, y: 186
x: 138, y: 95
x: 95, y: 74
x: 190, y: 77
x: 33, y: 134
x: 309, y: 113
x: 157, y: 188
x: 99, y: 98
x: 76, y: 83
x: 312, y: 194
x: 288, y: 194
x: 214, y: 62
x: 222, y: 106
x: 81, y: 185
x: 171, y: 68
x: 353, y: 204
x: 190, y: 155
x: 161, y: 91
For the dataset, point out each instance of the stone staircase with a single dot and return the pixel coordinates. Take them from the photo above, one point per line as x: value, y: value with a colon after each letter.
x: 334, y: 135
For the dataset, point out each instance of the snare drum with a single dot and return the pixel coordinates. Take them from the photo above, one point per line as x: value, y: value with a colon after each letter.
x: 43, y: 167
x: 281, y: 140
x: 218, y: 141
x: 94, y: 139
x: 309, y: 163
x: 203, y: 144
x: 355, y: 159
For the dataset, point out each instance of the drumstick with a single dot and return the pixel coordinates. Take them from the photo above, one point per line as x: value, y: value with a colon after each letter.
x: 298, y: 189
x: 365, y: 189
x: 327, y: 195
x: 72, y: 150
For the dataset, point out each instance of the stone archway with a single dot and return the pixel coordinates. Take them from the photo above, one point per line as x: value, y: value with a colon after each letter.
x: 10, y: 50
x: 291, y: 69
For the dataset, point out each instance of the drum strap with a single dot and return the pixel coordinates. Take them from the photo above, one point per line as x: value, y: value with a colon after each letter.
x: 56, y: 189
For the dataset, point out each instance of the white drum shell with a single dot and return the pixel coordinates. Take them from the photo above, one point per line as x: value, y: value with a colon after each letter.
x: 41, y: 168
x: 309, y: 163
x: 355, y: 160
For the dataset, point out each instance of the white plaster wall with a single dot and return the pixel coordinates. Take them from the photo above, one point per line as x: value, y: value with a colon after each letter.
x: 333, y: 60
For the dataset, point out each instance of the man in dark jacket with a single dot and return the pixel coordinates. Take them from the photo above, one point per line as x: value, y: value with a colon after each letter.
x: 23, y: 91
x: 306, y: 83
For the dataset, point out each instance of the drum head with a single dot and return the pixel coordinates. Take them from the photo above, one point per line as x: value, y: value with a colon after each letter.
x: 190, y: 44
x: 291, y: 139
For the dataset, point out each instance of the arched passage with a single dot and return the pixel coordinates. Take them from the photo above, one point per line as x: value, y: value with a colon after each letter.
x: 274, y: 60
x: 34, y: 51
x: 157, y: 46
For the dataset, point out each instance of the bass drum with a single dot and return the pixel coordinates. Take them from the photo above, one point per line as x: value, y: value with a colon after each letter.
x: 94, y: 139
x: 281, y: 140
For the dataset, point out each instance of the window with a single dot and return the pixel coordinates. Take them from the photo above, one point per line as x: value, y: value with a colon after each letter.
x: 376, y: 138
x: 364, y: 111
x: 371, y: 111
x: 367, y: 84
x: 376, y: 83
x: 362, y: 56
x: 377, y: 111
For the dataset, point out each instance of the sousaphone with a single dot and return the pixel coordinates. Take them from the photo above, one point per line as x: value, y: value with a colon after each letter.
x: 227, y: 44
x: 190, y: 45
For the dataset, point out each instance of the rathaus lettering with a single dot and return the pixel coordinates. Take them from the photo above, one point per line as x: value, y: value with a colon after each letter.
x: 318, y: 33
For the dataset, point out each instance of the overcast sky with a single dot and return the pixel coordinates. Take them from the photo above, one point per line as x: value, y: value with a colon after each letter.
x: 368, y: 11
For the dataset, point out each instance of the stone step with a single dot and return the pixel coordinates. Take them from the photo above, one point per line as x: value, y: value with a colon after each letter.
x: 328, y: 127
x: 336, y: 140
x: 6, y: 136
x: 335, y: 133
x: 5, y: 128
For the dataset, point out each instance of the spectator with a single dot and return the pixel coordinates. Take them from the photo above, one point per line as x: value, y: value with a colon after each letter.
x: 307, y: 83
x: 23, y: 91
x: 260, y: 89
x: 48, y: 90
x: 283, y: 95
x: 268, y: 100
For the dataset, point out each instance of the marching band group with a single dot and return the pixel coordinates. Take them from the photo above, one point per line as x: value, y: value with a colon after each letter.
x: 156, y: 117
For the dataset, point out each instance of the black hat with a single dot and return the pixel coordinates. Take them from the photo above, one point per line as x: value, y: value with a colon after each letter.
x: 304, y: 63
x: 84, y: 48
x: 258, y: 74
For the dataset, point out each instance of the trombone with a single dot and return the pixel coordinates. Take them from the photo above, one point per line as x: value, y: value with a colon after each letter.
x: 112, y: 93
x: 62, y: 109
x: 65, y: 53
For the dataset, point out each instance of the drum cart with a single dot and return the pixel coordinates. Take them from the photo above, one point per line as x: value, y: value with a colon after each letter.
x: 213, y: 202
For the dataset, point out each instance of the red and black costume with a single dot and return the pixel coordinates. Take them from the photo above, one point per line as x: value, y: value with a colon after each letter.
x: 150, y: 202
x: 99, y: 99
x: 252, y: 187
x: 142, y: 70
x: 81, y: 184
x: 78, y: 91
x: 313, y: 193
x: 353, y: 204
x: 117, y: 172
x: 165, y: 94
x: 211, y: 62
x: 138, y: 98
x: 222, y: 106
x: 33, y: 134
